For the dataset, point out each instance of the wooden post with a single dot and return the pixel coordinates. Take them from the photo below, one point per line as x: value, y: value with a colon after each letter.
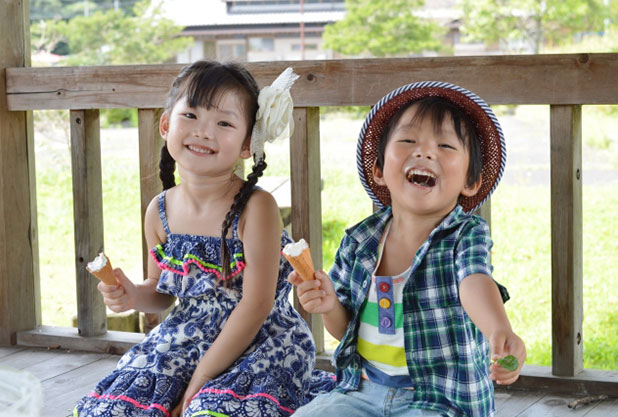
x: 566, y: 239
x: 20, y: 297
x: 150, y: 143
x: 88, y: 218
x: 485, y: 211
x: 306, y: 198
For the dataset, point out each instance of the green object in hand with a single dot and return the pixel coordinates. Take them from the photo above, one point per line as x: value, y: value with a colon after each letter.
x: 510, y: 363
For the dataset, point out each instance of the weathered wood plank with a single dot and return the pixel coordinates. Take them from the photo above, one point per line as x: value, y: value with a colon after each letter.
x: 588, y: 382
x: 548, y: 79
x: 605, y: 408
x: 67, y: 338
x: 88, y: 217
x: 512, y: 403
x: 49, y: 363
x: 553, y: 406
x: 61, y: 393
x: 305, y: 179
x: 19, y: 302
x: 566, y: 239
x: 9, y: 350
x: 150, y: 143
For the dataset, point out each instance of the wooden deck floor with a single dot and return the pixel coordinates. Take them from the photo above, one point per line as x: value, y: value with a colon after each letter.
x: 66, y: 376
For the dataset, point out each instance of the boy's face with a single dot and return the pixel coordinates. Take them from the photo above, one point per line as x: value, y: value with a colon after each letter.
x: 425, y: 170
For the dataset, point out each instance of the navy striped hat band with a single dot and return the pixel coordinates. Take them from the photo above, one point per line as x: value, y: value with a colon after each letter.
x: 493, y: 147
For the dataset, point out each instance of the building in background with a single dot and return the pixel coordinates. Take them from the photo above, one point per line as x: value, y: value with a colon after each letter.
x: 254, y: 30
x: 272, y: 30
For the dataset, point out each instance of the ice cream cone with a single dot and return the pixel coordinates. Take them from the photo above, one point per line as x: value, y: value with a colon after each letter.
x: 299, y: 256
x: 101, y: 268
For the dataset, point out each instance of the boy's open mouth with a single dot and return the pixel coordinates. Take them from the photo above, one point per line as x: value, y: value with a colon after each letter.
x: 422, y: 178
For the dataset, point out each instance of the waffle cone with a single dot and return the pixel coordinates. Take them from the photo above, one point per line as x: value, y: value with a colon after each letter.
x: 302, y: 264
x: 105, y: 274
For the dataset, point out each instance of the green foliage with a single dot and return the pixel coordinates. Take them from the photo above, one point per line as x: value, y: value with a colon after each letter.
x: 371, y: 27
x: 510, y: 363
x: 67, y: 9
x: 118, y: 117
x: 113, y: 37
x: 511, y: 22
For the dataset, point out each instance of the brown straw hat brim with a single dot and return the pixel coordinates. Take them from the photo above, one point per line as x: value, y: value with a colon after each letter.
x: 493, y: 147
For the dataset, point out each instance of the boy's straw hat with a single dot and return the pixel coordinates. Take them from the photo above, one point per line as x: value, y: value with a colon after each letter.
x: 493, y: 147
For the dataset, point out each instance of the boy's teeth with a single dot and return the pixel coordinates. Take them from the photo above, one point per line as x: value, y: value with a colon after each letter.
x: 420, y: 177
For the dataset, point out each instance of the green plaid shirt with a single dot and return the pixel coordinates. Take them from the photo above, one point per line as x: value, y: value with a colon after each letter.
x: 447, y: 356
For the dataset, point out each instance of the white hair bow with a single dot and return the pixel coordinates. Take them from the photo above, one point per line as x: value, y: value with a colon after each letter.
x: 274, y: 115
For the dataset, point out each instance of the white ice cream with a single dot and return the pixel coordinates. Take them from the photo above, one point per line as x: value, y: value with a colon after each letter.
x: 98, y: 263
x: 295, y: 248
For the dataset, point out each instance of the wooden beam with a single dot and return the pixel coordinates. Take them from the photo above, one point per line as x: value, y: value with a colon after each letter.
x: 588, y: 382
x: 88, y: 218
x: 515, y: 79
x: 20, y: 301
x: 566, y: 239
x: 306, y: 198
x: 150, y: 143
x: 68, y: 338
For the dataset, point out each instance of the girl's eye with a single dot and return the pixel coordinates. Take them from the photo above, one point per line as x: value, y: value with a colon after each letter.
x: 190, y: 115
x: 224, y: 124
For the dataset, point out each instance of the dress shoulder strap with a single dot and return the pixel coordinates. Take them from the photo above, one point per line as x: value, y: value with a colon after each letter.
x: 162, y: 214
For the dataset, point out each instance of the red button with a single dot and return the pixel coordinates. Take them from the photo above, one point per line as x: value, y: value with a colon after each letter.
x: 384, y: 287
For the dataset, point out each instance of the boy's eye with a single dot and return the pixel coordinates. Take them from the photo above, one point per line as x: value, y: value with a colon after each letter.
x: 446, y: 146
x: 408, y: 140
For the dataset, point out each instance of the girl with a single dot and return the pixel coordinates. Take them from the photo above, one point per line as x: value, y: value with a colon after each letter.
x: 233, y: 344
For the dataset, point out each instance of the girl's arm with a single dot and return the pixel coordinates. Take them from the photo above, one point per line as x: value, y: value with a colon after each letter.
x: 482, y: 302
x: 261, y: 236
x: 142, y: 296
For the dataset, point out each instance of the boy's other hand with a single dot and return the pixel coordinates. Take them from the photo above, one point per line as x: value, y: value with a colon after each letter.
x: 501, y: 345
x: 120, y: 297
x: 316, y: 296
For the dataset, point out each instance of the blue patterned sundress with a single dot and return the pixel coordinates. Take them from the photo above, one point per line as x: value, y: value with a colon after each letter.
x: 273, y: 377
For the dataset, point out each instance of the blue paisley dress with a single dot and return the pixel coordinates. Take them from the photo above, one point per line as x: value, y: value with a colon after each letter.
x: 273, y: 377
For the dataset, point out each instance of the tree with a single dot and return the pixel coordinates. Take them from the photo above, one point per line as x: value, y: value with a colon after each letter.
x: 527, y: 25
x: 383, y: 29
x: 113, y: 37
x: 67, y: 9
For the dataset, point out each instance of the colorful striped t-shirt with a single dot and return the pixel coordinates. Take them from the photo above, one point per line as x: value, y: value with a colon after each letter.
x: 380, y: 334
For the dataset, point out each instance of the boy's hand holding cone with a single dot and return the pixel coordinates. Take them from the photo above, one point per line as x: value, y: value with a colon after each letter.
x: 101, y: 268
x: 299, y: 256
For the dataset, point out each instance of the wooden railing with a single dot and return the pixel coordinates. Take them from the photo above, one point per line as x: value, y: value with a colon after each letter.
x: 564, y: 82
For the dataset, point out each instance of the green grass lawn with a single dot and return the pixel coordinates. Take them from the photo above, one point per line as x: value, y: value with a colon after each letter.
x: 521, y: 232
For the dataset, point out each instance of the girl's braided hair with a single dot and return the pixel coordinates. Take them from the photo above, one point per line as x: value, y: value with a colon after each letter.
x: 203, y: 83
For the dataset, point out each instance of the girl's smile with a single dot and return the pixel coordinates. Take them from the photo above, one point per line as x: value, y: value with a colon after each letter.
x: 206, y: 142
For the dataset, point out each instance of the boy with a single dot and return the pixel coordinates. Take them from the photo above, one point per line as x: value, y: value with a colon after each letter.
x: 412, y: 299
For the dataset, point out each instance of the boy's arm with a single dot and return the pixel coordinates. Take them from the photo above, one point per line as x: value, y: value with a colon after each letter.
x: 482, y: 302
x: 318, y: 297
x: 324, y: 294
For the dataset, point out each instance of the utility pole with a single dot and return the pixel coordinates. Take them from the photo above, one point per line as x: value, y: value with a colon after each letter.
x: 302, y: 30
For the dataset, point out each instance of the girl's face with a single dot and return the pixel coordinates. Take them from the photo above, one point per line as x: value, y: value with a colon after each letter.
x: 207, y: 142
x: 424, y: 170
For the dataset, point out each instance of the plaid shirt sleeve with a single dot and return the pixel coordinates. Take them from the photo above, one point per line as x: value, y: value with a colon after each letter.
x: 341, y: 271
x: 472, y: 254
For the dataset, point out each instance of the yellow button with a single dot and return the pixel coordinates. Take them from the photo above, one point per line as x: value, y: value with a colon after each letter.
x: 385, y: 303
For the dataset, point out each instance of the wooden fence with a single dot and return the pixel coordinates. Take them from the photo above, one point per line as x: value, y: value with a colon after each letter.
x: 564, y: 82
